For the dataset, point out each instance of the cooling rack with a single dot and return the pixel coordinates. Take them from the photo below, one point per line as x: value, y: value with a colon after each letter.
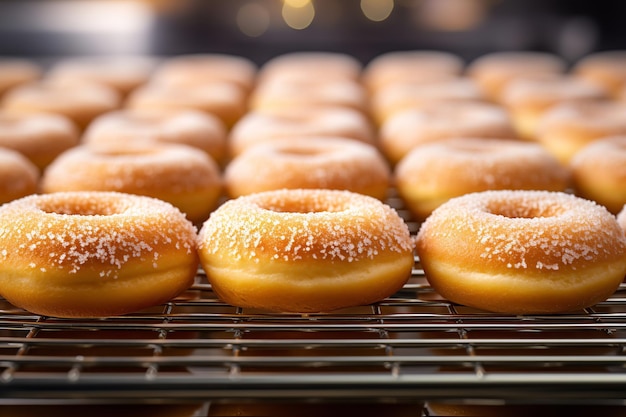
x: 414, y: 346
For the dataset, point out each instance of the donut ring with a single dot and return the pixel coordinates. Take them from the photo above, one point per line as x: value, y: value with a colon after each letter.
x: 522, y: 252
x: 93, y: 254
x: 330, y: 163
x: 599, y: 172
x: 433, y: 173
x: 305, y: 250
x: 18, y: 176
x: 184, y: 176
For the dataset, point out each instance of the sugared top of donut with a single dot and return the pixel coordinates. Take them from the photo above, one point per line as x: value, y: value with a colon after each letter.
x: 535, y: 230
x: 99, y: 231
x: 289, y: 225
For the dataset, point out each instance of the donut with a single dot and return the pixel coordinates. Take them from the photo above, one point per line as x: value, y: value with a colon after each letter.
x: 183, y: 176
x: 528, y: 99
x: 606, y: 69
x: 312, y: 66
x: 260, y: 126
x: 186, y: 127
x: 223, y: 100
x: 494, y: 71
x: 19, y: 177
x: 329, y: 163
x: 40, y: 137
x: 17, y: 71
x: 280, y: 94
x: 199, y: 69
x: 599, y: 172
x: 305, y: 250
x: 567, y: 128
x: 621, y: 219
x: 123, y: 74
x: 398, y: 97
x: 491, y: 409
x: 522, y: 252
x: 93, y: 254
x: 410, y: 67
x: 413, y: 127
x: 80, y: 102
x: 433, y: 173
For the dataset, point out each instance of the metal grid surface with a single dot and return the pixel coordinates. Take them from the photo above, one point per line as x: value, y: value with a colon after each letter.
x: 413, y: 346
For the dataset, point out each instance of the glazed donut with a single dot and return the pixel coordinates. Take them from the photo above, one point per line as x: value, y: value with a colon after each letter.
x: 199, y: 69
x: 329, y: 163
x: 494, y: 71
x: 606, y: 69
x: 528, y: 99
x: 18, y: 176
x: 410, y: 128
x: 224, y: 100
x: 410, y: 67
x: 17, y: 71
x: 522, y: 252
x: 183, y: 176
x: 305, y: 250
x: 277, y: 94
x: 93, y: 254
x: 123, y: 74
x: 311, y: 66
x: 78, y: 101
x: 187, y: 127
x: 398, y: 97
x: 567, y: 128
x: 599, y: 172
x: 259, y: 127
x: 40, y: 137
x: 433, y: 173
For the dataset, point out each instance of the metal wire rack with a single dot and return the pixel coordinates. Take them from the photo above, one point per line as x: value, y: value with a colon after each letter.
x: 412, y: 347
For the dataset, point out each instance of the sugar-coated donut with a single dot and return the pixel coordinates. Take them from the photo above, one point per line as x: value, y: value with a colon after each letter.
x: 80, y: 102
x: 276, y: 94
x: 181, y: 175
x: 186, y: 127
x: 19, y: 177
x: 329, y: 163
x: 522, y: 252
x: 528, y: 99
x: 414, y: 66
x: 40, y: 137
x: 410, y: 128
x: 123, y: 74
x: 311, y: 66
x: 398, y: 97
x: 606, y: 69
x: 17, y: 71
x: 259, y: 126
x: 93, y: 254
x: 599, y: 172
x: 224, y: 100
x: 305, y: 250
x: 433, y: 173
x: 198, y: 69
x: 621, y: 218
x: 567, y: 128
x: 494, y: 71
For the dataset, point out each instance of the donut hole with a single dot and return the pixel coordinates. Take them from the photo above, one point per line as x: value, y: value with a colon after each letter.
x: 305, y: 206
x: 301, y: 151
x: 79, y: 207
x: 512, y: 210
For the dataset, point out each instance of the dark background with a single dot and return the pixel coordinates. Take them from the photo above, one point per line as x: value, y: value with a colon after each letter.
x: 58, y: 28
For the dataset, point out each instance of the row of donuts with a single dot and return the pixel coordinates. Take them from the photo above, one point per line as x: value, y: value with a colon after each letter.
x: 291, y: 98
